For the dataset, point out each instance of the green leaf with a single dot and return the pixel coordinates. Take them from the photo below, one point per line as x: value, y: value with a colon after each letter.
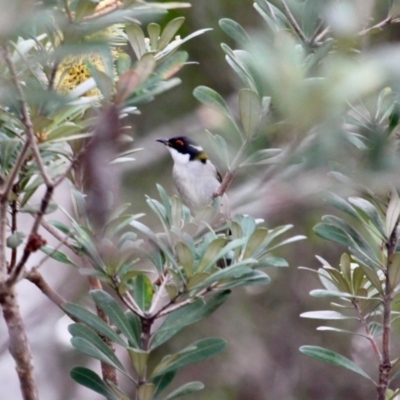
x: 393, y: 212
x: 273, y: 262
x: 136, y: 39
x: 57, y: 255
x: 162, y: 381
x: 143, y: 291
x: 209, y: 255
x: 169, y: 32
x: 185, y: 258
x: 185, y: 389
x: 233, y: 272
x: 325, y: 314
x: 135, y: 324
x: 234, y: 30
x: 331, y: 357
x: 341, y: 204
x: 93, y: 321
x: 370, y: 210
x: 146, y: 391
x: 261, y: 156
x: 15, y: 239
x: 88, y: 348
x: 394, y: 271
x: 113, y: 311
x: 185, y: 316
x: 198, y: 351
x: 153, y: 30
x: 91, y: 380
x: 249, y: 110
x: 83, y: 332
x: 139, y: 359
x: 332, y: 233
x: 212, y: 99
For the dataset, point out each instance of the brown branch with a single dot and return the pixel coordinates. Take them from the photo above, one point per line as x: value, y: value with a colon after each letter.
x: 388, y: 20
x: 109, y: 373
x: 37, y: 279
x: 385, y: 365
x: 18, y: 342
x: 29, y: 247
x: 228, y: 178
x: 293, y: 22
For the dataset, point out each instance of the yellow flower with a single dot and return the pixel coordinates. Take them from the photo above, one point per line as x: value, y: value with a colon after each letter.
x: 73, y: 70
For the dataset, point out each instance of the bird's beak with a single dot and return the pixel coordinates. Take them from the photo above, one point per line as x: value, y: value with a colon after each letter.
x: 163, y: 141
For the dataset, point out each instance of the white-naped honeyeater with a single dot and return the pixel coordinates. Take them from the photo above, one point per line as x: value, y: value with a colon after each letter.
x: 195, y: 176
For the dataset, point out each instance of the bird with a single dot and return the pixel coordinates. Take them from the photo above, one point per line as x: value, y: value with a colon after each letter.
x: 196, y: 177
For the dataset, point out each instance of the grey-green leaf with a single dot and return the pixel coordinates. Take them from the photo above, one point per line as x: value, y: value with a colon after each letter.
x: 198, y: 351
x: 334, y: 358
x: 249, y: 110
x: 115, y: 314
x: 91, y: 380
x: 185, y: 389
x: 93, y: 321
x: 212, y: 99
x: 185, y: 316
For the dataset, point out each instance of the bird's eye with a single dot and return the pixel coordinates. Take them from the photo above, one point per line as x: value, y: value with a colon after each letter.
x: 179, y: 142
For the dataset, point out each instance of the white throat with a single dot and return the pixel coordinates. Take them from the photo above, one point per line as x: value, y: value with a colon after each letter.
x: 179, y: 158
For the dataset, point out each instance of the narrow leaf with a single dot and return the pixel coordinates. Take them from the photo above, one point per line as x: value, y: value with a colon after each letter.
x: 331, y: 357
x: 249, y: 110
x: 93, y: 321
x: 185, y: 316
x: 91, y: 380
x: 185, y: 389
x: 212, y: 99
x: 114, y: 313
x: 198, y: 351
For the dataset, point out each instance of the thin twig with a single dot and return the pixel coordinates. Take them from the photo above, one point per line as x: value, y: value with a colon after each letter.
x: 28, y: 247
x: 316, y: 33
x: 59, y: 236
x: 388, y: 20
x: 364, y: 324
x: 293, y: 22
x: 37, y: 279
x: 224, y: 184
x: 321, y: 35
x: 171, y: 307
x: 26, y: 119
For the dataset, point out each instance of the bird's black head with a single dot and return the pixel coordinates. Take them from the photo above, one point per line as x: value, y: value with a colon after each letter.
x: 185, y: 145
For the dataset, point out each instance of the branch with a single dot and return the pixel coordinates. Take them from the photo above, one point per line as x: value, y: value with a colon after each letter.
x: 364, y: 324
x: 293, y: 22
x: 18, y: 342
x: 385, y: 365
x: 388, y: 20
x: 109, y: 373
x: 34, y: 240
x: 37, y: 279
x: 224, y: 185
